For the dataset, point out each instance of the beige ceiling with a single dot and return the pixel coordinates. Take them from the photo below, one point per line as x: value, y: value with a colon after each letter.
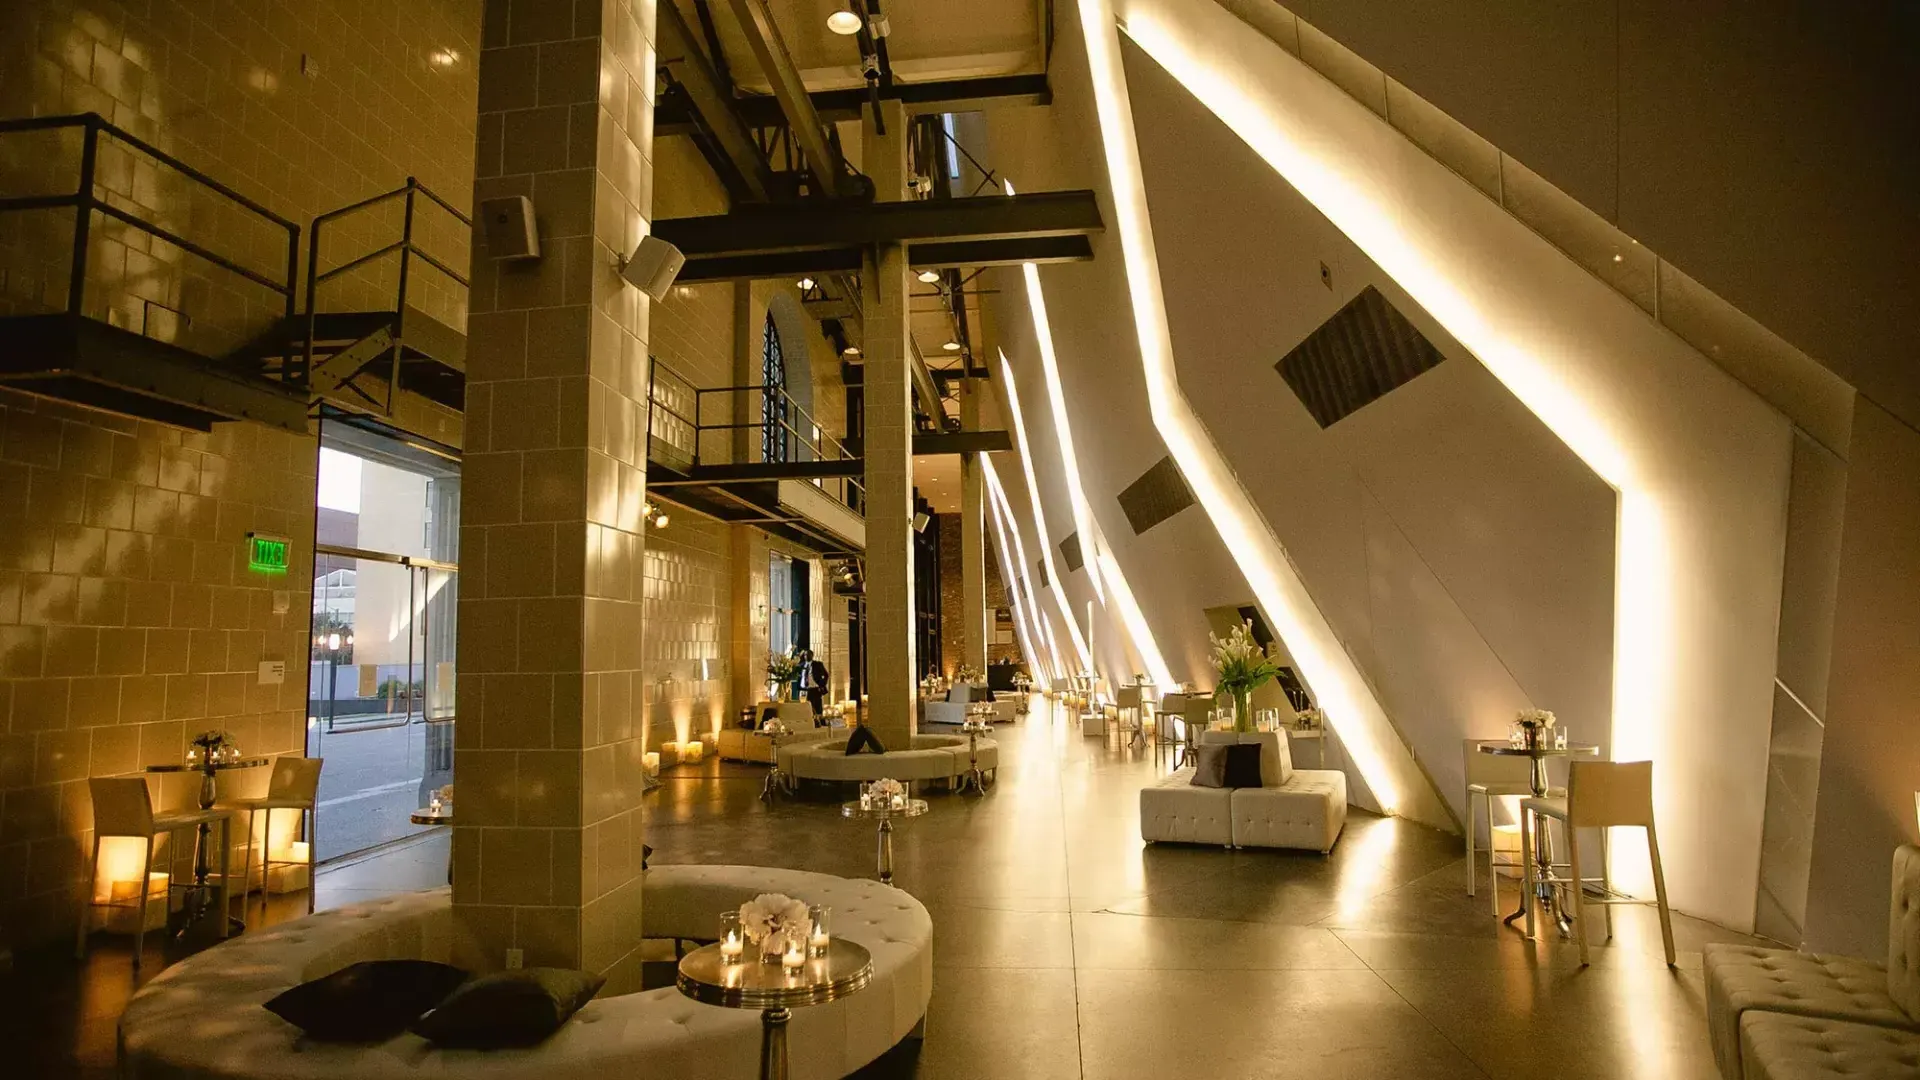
x: 929, y: 40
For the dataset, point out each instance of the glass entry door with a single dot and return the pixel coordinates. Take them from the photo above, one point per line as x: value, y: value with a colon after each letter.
x: 382, y: 679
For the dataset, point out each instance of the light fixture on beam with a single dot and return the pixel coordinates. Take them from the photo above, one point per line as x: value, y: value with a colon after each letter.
x: 806, y: 284
x: 851, y: 351
x: 845, y: 23
x: 929, y: 276
x: 951, y: 346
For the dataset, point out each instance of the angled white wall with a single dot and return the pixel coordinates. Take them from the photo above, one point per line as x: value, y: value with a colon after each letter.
x: 1700, y: 463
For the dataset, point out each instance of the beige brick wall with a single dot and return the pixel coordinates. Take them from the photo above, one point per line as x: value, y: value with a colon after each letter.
x: 129, y: 621
x: 128, y: 618
x: 303, y: 107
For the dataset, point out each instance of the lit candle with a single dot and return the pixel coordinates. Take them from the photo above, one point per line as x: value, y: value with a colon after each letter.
x: 794, y: 958
x: 819, y: 940
x: 866, y: 801
x: 730, y: 947
x: 651, y: 759
x: 434, y: 806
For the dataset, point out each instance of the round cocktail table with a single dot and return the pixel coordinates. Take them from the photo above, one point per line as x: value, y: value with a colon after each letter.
x: 774, y: 989
x: 199, y: 902
x: 879, y: 809
x: 1543, y: 846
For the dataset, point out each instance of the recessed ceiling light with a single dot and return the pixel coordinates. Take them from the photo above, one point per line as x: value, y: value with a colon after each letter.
x: 805, y: 283
x: 951, y: 346
x: 929, y: 276
x: 844, y: 23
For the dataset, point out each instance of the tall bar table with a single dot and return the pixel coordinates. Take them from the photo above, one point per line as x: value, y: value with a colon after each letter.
x: 1543, y: 843
x: 198, y: 902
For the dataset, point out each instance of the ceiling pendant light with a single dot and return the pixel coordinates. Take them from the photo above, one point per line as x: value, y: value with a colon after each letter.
x: 951, y: 346
x: 929, y: 276
x: 844, y: 23
x: 806, y: 284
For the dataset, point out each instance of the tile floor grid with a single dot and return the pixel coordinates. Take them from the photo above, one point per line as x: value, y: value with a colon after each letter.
x: 1166, y: 960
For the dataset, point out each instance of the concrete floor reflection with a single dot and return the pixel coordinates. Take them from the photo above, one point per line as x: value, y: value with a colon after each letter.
x: 1064, y: 947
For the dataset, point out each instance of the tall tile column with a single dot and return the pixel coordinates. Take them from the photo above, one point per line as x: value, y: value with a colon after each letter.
x: 973, y: 551
x: 548, y: 764
x: 891, y: 667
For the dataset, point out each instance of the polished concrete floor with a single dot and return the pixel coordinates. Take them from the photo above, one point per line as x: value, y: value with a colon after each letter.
x: 1064, y: 947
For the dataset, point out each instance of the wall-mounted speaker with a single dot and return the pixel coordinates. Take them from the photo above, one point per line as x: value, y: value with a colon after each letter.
x: 653, y: 266
x: 920, y: 521
x: 509, y: 229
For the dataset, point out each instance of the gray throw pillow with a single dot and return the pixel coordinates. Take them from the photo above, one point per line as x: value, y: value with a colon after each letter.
x: 508, y: 1008
x: 1210, y: 767
x: 371, y: 1001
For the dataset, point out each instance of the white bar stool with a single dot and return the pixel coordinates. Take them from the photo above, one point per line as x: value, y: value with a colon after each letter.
x: 294, y: 785
x: 1490, y: 776
x: 1600, y: 795
x: 122, y: 806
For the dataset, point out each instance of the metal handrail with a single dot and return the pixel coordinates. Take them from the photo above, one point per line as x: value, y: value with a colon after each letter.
x: 854, y: 493
x: 84, y: 203
x: 407, y: 249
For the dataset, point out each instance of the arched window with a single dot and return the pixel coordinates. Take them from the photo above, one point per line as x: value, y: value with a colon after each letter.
x: 774, y: 438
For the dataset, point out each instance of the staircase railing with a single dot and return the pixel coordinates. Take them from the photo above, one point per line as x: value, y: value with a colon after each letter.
x: 405, y: 247
x: 84, y: 201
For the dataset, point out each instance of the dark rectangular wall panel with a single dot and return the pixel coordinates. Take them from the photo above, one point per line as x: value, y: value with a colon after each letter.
x: 1367, y: 349
x: 1160, y: 493
x: 1041, y: 566
x: 1070, y: 551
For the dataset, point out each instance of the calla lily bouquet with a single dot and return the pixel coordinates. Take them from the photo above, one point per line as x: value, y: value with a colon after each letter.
x: 783, y: 667
x: 1536, y: 719
x: 1241, y: 664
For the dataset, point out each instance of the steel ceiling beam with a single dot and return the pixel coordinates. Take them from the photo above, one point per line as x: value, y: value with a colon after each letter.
x: 835, y: 106
x: 763, y: 230
x: 823, y: 156
x: 708, y: 105
x: 1043, y: 249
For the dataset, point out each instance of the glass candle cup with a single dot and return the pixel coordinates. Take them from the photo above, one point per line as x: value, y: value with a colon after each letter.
x: 733, y: 940
x: 822, y: 934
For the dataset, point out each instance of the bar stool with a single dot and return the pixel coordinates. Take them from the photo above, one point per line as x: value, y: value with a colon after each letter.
x: 1600, y: 795
x: 122, y: 806
x: 1490, y: 776
x: 294, y: 785
x: 1129, y: 699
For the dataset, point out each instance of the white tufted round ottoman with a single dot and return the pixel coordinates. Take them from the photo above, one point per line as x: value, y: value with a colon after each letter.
x: 931, y: 757
x: 202, y: 1018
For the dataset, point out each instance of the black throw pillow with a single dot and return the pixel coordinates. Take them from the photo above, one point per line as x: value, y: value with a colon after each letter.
x: 508, y: 1008
x: 371, y: 1001
x: 1243, y: 765
x: 1210, y: 767
x: 863, y: 739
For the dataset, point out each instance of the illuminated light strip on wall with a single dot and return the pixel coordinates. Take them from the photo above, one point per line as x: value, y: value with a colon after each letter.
x: 1040, y: 517
x: 1375, y: 748
x: 1108, y: 579
x: 1004, y: 519
x: 1062, y: 427
x: 1010, y: 573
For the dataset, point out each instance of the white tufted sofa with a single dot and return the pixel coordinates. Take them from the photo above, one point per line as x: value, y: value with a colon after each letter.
x: 931, y: 757
x: 1776, y: 1013
x: 202, y: 1018
x: 739, y: 744
x: 1292, y: 808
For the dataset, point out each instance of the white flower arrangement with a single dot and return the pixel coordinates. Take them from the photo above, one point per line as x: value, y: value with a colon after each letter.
x: 776, y: 726
x: 1310, y: 720
x: 774, y: 921
x: 886, y: 788
x: 1536, y: 718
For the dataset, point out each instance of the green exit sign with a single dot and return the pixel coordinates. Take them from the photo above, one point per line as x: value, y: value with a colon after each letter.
x: 267, y: 554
